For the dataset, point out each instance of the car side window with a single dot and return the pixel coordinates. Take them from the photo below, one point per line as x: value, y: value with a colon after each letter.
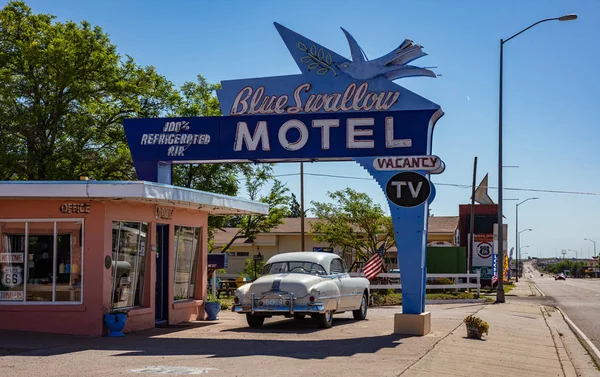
x: 317, y: 270
x: 337, y: 267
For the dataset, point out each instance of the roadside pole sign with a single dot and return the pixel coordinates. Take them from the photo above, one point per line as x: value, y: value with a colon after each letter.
x: 335, y: 109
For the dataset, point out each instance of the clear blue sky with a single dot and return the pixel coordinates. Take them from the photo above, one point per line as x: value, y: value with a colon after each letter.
x: 551, y: 87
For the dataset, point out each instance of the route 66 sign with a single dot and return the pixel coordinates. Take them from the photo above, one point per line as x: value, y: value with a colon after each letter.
x: 12, y: 276
x: 484, y: 250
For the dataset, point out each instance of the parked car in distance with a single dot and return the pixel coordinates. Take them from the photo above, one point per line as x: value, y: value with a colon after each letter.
x: 560, y: 277
x: 300, y: 284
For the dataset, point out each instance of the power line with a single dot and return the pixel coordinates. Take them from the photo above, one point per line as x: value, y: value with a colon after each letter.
x: 326, y: 175
x: 456, y: 185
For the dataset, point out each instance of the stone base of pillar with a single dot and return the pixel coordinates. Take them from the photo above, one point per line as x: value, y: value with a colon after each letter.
x: 412, y: 324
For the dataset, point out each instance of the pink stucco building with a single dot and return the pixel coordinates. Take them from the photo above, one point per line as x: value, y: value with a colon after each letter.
x: 72, y: 251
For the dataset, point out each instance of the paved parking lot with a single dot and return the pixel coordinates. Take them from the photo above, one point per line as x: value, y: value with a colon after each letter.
x: 529, y: 342
x: 281, y: 347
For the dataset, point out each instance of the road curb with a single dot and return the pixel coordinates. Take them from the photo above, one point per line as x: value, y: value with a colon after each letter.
x: 537, y: 289
x: 583, y: 339
x: 461, y: 301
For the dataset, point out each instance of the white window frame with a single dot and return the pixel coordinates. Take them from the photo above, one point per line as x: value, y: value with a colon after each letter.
x: 137, y: 258
x: 26, y: 260
x: 195, y: 244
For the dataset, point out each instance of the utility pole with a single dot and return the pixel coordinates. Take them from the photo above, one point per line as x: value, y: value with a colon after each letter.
x: 302, y: 207
x: 472, y: 225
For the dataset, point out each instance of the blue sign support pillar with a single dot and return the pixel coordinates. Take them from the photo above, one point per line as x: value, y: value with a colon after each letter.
x: 410, y: 229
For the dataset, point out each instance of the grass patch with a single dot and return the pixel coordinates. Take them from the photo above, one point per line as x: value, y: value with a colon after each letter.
x: 508, y: 287
x: 386, y: 298
x: 450, y: 296
x: 390, y: 298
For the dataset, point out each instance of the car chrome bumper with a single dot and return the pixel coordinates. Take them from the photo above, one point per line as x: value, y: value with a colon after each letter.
x: 298, y: 309
x: 252, y: 308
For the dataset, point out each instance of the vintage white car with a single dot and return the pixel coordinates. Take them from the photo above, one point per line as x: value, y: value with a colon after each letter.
x: 298, y: 284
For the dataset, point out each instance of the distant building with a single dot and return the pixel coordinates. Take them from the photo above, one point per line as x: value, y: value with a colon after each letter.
x: 443, y: 231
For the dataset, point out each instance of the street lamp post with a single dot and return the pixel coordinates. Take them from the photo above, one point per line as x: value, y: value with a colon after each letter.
x: 518, y: 242
x: 568, y: 17
x: 594, y: 242
x: 575, y: 251
x: 519, y: 251
x: 587, y: 239
x: 517, y: 233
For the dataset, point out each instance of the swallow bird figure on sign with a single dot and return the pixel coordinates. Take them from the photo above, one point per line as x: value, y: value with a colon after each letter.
x: 392, y: 66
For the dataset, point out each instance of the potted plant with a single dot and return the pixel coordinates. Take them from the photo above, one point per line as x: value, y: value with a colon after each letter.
x: 212, y: 307
x: 476, y: 327
x: 115, y: 322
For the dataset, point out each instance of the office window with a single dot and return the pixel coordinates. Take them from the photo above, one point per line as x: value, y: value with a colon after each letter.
x: 41, y: 261
x: 187, y: 246
x: 129, y: 263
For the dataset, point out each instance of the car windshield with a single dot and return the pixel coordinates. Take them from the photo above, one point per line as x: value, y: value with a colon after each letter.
x: 294, y: 267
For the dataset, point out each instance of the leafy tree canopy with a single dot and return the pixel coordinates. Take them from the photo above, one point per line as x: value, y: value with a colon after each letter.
x: 353, y: 221
x: 64, y: 92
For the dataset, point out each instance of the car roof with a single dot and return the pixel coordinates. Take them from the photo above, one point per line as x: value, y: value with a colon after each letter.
x: 321, y: 258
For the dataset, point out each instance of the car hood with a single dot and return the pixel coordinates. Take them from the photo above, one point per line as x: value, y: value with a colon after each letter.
x: 298, y: 284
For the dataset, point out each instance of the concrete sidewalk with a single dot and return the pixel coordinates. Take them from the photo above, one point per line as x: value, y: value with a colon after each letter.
x: 525, y: 338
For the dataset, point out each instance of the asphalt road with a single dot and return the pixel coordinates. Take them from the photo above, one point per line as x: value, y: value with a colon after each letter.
x: 578, y: 298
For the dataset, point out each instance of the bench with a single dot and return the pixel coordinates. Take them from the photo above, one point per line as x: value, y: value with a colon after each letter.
x: 227, y: 287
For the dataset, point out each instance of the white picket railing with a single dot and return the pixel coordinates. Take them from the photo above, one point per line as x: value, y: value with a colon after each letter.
x: 454, y: 277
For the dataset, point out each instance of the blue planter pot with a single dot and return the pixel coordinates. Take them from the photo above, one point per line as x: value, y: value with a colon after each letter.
x: 212, y: 309
x: 115, y: 323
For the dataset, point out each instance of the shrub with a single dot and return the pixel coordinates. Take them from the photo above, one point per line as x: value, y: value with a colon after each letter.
x: 441, y: 281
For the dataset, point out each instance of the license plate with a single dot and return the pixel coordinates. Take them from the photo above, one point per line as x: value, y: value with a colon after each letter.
x: 273, y: 302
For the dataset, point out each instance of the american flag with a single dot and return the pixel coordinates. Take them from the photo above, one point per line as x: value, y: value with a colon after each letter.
x: 373, y: 266
x: 494, y: 279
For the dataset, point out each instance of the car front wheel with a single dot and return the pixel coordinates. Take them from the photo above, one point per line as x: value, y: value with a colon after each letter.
x: 361, y: 313
x: 255, y: 320
x: 325, y: 320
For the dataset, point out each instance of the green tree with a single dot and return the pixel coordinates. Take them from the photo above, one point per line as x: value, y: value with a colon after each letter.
x: 575, y: 268
x: 64, y: 92
x: 295, y: 210
x: 252, y: 270
x: 353, y: 221
x: 256, y: 179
